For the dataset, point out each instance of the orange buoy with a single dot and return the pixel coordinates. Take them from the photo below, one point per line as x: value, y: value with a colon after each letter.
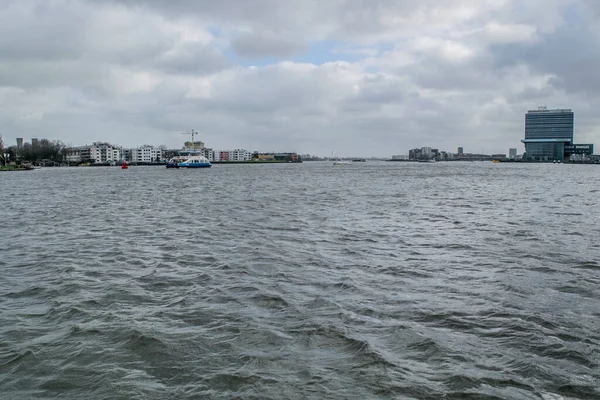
x: 124, y: 166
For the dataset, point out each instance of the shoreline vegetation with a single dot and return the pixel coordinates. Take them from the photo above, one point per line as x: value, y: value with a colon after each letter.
x: 9, y: 168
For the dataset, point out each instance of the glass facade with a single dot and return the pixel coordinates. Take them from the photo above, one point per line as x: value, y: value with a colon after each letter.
x: 549, y: 124
x: 545, y: 151
x: 547, y: 132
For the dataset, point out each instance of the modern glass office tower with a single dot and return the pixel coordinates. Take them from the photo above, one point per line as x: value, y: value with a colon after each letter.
x: 547, y: 132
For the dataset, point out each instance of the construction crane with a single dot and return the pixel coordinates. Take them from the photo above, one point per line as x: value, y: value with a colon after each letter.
x: 193, y: 134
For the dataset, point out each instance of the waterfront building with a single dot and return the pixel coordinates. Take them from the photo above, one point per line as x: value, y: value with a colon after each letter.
x: 414, y: 154
x: 209, y: 154
x: 426, y: 153
x: 76, y: 155
x: 459, y: 150
x: 146, y: 154
x: 547, y: 132
x: 579, y: 151
x: 127, y: 154
x: 512, y: 154
x: 264, y: 156
x: 290, y: 157
x: 224, y: 155
x: 240, y: 155
x: 101, y: 153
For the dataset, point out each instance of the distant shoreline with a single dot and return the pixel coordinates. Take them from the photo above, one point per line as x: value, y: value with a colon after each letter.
x: 12, y: 168
x: 500, y: 161
x: 212, y: 162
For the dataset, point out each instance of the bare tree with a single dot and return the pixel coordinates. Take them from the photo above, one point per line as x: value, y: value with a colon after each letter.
x: 2, y: 150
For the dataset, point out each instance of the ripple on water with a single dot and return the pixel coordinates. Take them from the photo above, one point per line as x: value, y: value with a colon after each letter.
x: 382, y: 280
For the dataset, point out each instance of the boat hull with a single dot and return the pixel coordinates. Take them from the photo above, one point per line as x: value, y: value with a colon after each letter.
x: 194, y: 165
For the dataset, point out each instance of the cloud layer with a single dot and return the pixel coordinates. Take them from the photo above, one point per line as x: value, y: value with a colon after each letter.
x: 358, y: 77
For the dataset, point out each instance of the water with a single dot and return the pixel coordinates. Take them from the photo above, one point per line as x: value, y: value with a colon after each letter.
x: 369, y: 281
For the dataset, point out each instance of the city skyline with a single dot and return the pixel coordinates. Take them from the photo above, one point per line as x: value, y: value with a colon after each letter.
x: 188, y: 145
x: 370, y: 78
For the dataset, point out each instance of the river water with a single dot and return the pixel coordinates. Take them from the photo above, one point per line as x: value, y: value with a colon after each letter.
x: 301, y: 281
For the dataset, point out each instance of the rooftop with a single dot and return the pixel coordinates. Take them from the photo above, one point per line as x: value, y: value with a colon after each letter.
x: 545, y: 110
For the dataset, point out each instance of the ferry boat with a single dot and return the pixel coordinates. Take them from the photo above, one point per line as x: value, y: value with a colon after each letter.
x: 195, y: 162
x: 189, y: 157
x: 189, y: 161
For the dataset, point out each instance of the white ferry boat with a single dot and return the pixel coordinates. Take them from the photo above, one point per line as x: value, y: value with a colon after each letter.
x: 189, y: 161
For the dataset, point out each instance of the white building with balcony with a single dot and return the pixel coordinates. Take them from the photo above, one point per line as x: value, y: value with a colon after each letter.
x: 239, y: 155
x: 105, y: 153
x: 229, y: 155
x: 146, y: 154
x: 77, y: 154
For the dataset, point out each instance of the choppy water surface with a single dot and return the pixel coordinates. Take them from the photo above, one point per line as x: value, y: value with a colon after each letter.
x: 375, y: 280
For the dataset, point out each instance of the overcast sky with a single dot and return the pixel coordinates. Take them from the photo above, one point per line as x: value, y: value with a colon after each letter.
x: 357, y: 77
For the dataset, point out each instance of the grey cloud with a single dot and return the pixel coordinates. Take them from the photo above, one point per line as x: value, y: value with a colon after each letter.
x: 344, y: 20
x: 266, y: 44
x: 36, y: 31
x: 572, y: 54
x: 60, y: 43
x: 380, y: 90
x: 194, y: 59
x: 122, y: 72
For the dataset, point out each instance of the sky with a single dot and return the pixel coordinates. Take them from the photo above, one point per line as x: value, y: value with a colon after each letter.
x: 352, y: 77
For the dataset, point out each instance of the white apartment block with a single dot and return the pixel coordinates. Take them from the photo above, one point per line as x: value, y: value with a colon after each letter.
x: 146, y: 154
x: 105, y: 153
x: 209, y: 154
x: 216, y: 155
x: 229, y: 155
x: 239, y: 155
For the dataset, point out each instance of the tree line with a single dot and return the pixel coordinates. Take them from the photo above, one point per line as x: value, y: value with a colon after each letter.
x: 44, y: 149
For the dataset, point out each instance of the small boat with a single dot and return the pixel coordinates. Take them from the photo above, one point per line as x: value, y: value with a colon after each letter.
x: 124, y: 166
x: 359, y: 160
x: 342, y: 162
x: 338, y: 161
